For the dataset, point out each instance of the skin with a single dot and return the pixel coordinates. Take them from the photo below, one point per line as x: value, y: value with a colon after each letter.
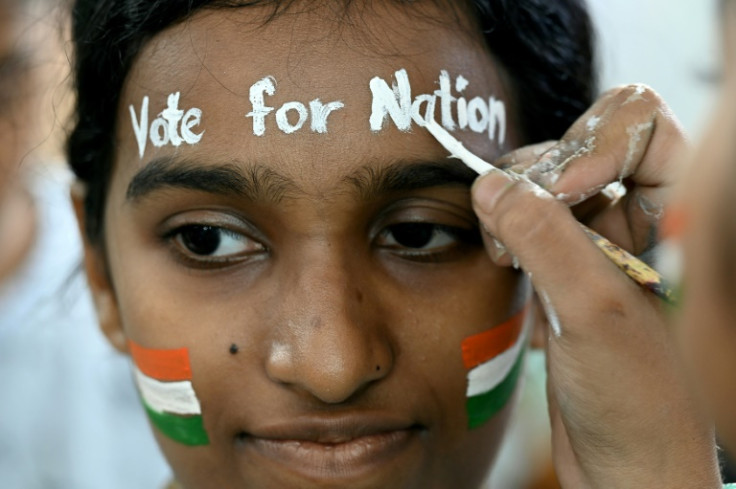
x: 622, y: 413
x: 706, y: 334
x: 17, y: 217
x: 334, y: 320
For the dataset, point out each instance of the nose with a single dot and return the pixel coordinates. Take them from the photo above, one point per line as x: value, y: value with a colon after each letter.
x: 329, y: 340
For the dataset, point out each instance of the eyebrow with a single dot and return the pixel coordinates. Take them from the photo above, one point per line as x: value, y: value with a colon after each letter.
x: 407, y: 175
x: 255, y: 182
x: 260, y: 183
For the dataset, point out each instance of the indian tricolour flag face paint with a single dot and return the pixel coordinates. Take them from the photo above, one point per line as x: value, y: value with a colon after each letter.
x: 495, y: 359
x: 164, y: 379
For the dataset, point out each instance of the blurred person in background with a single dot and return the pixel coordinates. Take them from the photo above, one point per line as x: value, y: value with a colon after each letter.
x: 69, y: 416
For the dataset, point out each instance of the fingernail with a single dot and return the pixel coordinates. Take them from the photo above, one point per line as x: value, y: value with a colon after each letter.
x: 489, y: 188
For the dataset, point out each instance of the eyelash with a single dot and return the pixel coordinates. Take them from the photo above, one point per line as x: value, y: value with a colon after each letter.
x: 177, y: 239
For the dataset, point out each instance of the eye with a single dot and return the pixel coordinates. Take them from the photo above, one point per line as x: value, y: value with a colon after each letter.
x: 418, y: 236
x: 424, y: 241
x: 199, y: 241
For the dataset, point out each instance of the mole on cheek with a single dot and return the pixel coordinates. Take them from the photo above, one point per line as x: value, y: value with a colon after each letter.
x: 233, y: 349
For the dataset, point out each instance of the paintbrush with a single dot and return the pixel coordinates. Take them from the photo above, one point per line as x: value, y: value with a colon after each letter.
x: 636, y: 269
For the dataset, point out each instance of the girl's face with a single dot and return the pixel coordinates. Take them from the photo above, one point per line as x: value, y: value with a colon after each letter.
x: 321, y: 282
x: 707, y: 330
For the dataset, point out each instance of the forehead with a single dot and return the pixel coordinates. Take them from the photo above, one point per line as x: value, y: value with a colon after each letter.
x: 214, y: 58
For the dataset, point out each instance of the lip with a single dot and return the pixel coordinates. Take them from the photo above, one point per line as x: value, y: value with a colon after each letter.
x: 334, y: 448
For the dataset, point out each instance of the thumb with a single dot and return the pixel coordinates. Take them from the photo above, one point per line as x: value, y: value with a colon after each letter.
x: 565, y: 266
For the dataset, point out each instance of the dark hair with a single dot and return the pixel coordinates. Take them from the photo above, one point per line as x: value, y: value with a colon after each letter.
x: 545, y: 47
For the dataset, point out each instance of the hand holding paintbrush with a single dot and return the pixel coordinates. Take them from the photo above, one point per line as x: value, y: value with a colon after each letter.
x: 636, y: 269
x: 610, y: 357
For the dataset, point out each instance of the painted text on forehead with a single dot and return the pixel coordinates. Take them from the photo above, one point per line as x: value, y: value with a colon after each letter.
x: 392, y: 103
x: 210, y: 83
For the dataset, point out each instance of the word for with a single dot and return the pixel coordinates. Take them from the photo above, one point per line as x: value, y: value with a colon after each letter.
x: 172, y: 126
x: 267, y: 86
x: 478, y: 114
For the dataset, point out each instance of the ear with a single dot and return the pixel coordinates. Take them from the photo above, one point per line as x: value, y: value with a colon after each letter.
x: 98, y: 278
x: 540, y: 331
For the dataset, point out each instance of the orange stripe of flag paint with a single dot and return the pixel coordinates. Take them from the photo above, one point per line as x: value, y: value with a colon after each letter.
x: 482, y: 347
x: 166, y: 365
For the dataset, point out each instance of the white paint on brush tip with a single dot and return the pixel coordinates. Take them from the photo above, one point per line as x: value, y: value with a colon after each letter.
x: 457, y: 150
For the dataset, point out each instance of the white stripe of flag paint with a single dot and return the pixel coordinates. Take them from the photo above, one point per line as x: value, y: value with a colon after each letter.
x: 495, y: 359
x: 164, y: 379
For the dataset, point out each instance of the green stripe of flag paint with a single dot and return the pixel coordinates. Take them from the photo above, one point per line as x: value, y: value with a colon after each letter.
x: 484, y: 406
x: 187, y: 430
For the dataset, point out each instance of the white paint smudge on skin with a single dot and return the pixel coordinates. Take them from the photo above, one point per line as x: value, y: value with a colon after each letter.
x: 585, y: 149
x: 544, y: 172
x: 637, y: 95
x: 552, y: 318
x: 592, y: 123
x: 635, y: 133
x: 515, y: 262
x: 650, y: 209
x: 581, y: 197
x: 499, y: 250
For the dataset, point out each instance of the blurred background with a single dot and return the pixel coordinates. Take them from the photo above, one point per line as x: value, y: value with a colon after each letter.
x: 671, y: 45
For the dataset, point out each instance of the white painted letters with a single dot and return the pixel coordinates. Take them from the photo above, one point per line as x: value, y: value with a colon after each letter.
x: 319, y: 111
x: 140, y: 128
x: 479, y: 114
x: 172, y: 126
x: 282, y: 117
x: 260, y: 111
x: 391, y: 101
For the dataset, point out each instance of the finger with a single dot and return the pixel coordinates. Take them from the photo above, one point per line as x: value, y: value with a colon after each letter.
x: 522, y: 158
x: 628, y: 136
x: 630, y: 133
x: 565, y: 266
